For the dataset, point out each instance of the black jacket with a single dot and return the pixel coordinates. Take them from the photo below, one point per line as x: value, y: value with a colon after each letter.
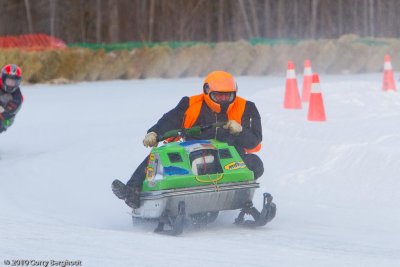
x: 11, y: 103
x: 249, y: 138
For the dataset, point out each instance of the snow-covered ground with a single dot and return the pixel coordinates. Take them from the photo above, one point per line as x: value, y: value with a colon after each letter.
x: 336, y: 184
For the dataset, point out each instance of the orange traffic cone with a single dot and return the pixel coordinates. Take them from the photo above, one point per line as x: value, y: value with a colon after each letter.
x: 292, y: 98
x: 307, y: 80
x: 388, y: 77
x: 316, y: 110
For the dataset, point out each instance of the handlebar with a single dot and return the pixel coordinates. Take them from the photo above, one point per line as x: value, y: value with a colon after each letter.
x: 193, y: 131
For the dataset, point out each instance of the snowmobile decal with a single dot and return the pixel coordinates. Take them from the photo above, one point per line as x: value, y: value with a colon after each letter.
x: 197, y: 145
x: 153, y: 169
x: 194, y: 142
x: 150, y: 173
x: 173, y: 170
x: 235, y: 165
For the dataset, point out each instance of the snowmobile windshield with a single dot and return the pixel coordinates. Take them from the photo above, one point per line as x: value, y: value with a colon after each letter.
x: 205, y: 161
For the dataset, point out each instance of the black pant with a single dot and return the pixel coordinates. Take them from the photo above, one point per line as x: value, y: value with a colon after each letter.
x: 253, y: 162
x: 139, y: 175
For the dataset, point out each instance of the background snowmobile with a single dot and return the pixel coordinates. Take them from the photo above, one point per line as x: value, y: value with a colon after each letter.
x: 197, y: 179
x: 4, y: 125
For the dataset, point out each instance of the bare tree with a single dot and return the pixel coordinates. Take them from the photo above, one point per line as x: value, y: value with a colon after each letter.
x: 220, y: 20
x: 313, y: 26
x: 281, y: 20
x: 82, y: 21
x: 113, y: 21
x: 52, y: 7
x: 254, y: 18
x: 296, y: 21
x: 199, y: 20
x: 355, y: 17
x: 29, y: 15
x: 208, y: 22
x: 371, y: 18
x: 340, y: 17
x: 151, y: 20
x: 245, y: 18
x: 98, y: 21
x: 391, y: 17
x: 267, y: 18
x: 365, y: 17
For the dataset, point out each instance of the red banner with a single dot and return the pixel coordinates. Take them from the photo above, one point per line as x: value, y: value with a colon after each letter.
x: 31, y: 41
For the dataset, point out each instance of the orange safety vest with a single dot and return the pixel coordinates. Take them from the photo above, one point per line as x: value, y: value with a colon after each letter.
x: 234, y: 112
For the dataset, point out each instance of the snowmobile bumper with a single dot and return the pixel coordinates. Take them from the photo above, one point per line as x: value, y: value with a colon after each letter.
x: 197, y: 199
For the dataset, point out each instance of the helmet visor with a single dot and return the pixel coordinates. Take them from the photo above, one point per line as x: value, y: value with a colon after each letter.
x: 11, y: 84
x: 223, y: 97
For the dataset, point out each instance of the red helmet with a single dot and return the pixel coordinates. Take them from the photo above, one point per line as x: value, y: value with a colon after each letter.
x: 219, y: 90
x: 11, y: 76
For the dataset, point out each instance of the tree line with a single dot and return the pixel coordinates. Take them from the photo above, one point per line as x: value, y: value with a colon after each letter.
x: 108, y: 21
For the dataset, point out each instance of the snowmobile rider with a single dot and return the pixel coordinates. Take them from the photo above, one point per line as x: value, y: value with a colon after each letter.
x: 217, y: 103
x: 10, y: 95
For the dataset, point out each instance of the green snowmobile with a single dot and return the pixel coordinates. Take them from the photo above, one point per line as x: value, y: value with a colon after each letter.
x: 197, y: 179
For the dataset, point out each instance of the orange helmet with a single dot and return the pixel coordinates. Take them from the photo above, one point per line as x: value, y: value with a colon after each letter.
x: 219, y: 90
